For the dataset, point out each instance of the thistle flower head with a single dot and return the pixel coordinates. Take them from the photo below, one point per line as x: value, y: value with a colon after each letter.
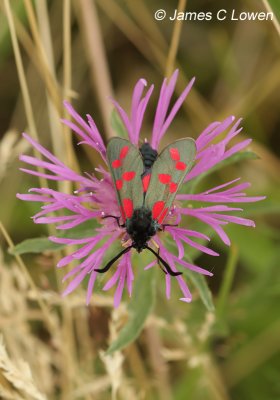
x: 96, y: 198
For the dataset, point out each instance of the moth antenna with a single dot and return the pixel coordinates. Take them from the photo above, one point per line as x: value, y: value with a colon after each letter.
x: 168, y: 269
x: 110, y: 263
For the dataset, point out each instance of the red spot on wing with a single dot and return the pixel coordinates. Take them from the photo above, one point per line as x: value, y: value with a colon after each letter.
x: 174, y: 154
x: 124, y: 151
x: 173, y: 187
x: 164, y: 178
x: 157, y: 209
x: 180, y: 165
x: 128, y: 207
x: 116, y: 163
x: 128, y: 176
x: 162, y: 215
x: 145, y: 182
x: 119, y: 184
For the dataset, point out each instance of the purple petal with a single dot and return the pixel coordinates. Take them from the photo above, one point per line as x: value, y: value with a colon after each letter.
x: 162, y: 120
x: 209, y: 134
x: 238, y: 147
x: 70, y: 241
x: 183, y: 286
x: 113, y: 280
x: 33, y: 197
x: 152, y: 264
x: 167, y: 286
x: 91, y: 282
x: 176, y: 107
x: 76, y: 281
x: 123, y: 116
x: 192, y: 267
x: 42, y: 150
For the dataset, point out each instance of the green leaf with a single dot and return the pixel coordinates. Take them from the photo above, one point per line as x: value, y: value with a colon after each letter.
x: 238, y: 157
x: 118, y: 125
x: 35, y: 245
x: 140, y: 306
x: 38, y: 245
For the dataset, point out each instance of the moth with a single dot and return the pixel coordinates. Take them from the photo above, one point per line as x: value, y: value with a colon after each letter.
x: 146, y: 184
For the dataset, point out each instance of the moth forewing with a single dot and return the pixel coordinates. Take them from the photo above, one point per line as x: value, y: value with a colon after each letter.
x: 126, y: 166
x: 168, y: 173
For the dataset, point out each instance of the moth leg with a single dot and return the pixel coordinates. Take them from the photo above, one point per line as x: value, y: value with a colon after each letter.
x: 164, y: 225
x: 167, y: 267
x: 159, y: 264
x: 110, y: 263
x: 116, y: 218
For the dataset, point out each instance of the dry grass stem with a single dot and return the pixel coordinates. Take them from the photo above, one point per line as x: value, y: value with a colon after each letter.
x: 94, y: 45
x: 171, y: 58
x: 29, y: 279
x: 199, y: 111
x: 49, y: 78
x: 67, y: 83
x: 46, y: 40
x: 10, y: 149
x: 158, y: 363
x: 275, y: 20
x: 54, y: 346
x: 16, y: 379
x: 23, y: 84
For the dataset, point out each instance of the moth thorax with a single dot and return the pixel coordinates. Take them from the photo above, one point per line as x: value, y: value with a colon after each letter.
x: 149, y: 155
x: 141, y: 227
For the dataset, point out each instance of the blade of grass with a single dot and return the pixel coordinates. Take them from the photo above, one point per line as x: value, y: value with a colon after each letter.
x: 170, y: 63
x: 100, y: 76
x: 23, y: 83
x: 60, y: 134
x: 198, y: 109
x: 41, y: 54
x: 275, y: 20
x: 67, y: 83
x: 45, y: 34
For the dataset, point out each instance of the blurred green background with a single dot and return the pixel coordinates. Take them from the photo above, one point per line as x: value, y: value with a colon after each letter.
x: 86, y: 51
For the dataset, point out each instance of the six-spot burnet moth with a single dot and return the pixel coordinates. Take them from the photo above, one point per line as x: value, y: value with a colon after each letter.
x: 146, y: 185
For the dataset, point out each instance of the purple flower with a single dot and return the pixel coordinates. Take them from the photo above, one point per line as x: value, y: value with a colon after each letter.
x: 96, y: 198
